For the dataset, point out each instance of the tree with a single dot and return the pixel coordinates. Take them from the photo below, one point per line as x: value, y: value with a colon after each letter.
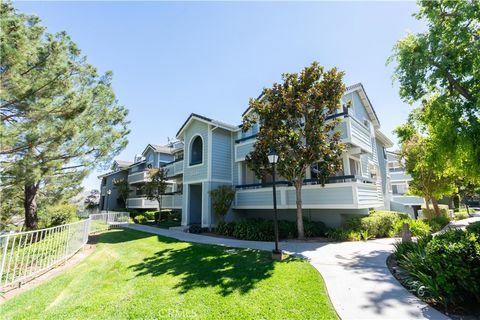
x: 441, y: 69
x: 433, y: 172
x: 156, y: 187
x: 59, y: 117
x: 295, y: 122
x: 222, y: 198
x: 123, y: 189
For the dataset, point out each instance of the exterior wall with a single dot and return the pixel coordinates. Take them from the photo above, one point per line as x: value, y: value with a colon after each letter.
x: 197, y: 172
x: 221, y: 166
x: 113, y: 200
x: 357, y: 106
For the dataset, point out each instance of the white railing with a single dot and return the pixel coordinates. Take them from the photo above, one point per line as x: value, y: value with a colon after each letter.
x: 26, y: 255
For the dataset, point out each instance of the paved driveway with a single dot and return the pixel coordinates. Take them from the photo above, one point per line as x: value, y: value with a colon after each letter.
x: 358, y: 281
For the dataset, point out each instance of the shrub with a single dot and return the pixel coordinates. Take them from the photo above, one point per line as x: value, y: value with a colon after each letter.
x: 437, y: 223
x: 445, y: 268
x: 340, y: 235
x: 378, y: 224
x: 150, y: 215
x: 460, y: 215
x: 195, y: 229
x: 140, y: 219
x: 58, y: 214
x: 225, y: 228
x: 354, y: 235
x: 222, y: 198
x: 417, y: 227
x: 430, y: 213
x: 312, y: 229
x: 474, y: 228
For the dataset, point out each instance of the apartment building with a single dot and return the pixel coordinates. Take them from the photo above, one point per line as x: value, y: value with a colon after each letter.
x: 397, y: 182
x: 211, y: 153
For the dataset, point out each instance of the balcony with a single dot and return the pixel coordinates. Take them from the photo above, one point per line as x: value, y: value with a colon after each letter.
x: 172, y: 201
x: 349, y: 193
x: 175, y: 168
x: 356, y: 133
x: 353, y: 132
x: 138, y: 177
x: 141, y: 203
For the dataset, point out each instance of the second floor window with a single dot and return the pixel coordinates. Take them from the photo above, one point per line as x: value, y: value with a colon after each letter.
x: 196, y: 151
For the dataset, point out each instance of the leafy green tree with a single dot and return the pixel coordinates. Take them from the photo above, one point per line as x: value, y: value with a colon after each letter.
x: 156, y: 187
x: 294, y: 118
x: 123, y: 189
x: 59, y: 117
x: 441, y: 69
x: 433, y: 173
x: 222, y: 198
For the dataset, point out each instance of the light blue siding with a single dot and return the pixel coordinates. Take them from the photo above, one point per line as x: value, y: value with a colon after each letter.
x: 357, y: 106
x: 221, y: 155
x: 242, y: 149
x: 322, y: 196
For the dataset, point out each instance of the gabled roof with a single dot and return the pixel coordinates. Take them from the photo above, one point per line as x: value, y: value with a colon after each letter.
x: 383, y: 139
x: 122, y: 163
x: 194, y: 116
x: 366, y: 102
x: 363, y: 96
x: 158, y: 148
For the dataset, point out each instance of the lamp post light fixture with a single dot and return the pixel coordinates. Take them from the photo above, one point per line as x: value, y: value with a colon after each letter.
x: 109, y: 192
x: 273, y: 159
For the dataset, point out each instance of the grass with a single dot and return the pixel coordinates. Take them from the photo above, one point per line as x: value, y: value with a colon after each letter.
x: 135, y: 275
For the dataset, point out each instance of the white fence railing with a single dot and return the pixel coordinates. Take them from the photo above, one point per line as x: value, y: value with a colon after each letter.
x: 25, y: 255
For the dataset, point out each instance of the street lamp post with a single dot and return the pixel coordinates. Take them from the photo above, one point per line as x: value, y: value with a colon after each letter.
x: 273, y: 159
x: 109, y: 192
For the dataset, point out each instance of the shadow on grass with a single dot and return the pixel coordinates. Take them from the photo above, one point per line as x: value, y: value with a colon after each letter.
x: 124, y: 235
x: 197, y: 266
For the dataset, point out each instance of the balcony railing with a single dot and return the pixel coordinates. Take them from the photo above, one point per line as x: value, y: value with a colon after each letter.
x: 172, y: 200
x: 141, y: 203
x: 175, y: 167
x: 333, y: 179
x: 138, y: 177
x: 354, y: 194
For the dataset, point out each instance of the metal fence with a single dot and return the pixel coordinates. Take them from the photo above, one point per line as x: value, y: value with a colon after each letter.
x: 26, y: 255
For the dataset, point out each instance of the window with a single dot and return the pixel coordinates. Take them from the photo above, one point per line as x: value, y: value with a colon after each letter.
x: 196, y: 151
x: 354, y: 167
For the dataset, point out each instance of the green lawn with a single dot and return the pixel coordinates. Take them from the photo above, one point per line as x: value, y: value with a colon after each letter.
x: 135, y: 275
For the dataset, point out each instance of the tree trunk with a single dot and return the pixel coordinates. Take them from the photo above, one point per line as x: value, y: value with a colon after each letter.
x: 435, y: 206
x: 158, y: 216
x: 30, y: 206
x: 427, y: 203
x: 298, y: 193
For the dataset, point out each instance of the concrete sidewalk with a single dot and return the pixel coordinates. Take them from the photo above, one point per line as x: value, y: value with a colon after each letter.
x: 358, y: 281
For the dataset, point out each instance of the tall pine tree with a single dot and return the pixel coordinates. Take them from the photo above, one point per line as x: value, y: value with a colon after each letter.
x: 59, y: 117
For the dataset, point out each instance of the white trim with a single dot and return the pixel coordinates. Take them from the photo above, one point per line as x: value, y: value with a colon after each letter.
x: 212, y: 121
x: 209, y: 151
x: 190, y: 151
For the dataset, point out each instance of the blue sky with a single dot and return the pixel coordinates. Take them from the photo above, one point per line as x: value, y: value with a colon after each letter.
x: 172, y: 59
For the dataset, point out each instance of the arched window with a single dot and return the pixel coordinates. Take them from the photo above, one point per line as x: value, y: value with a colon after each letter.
x: 196, y: 151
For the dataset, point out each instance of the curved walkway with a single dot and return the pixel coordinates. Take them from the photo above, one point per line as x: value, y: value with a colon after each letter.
x: 358, y: 281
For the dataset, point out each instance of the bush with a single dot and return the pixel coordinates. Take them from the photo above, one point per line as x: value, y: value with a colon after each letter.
x: 430, y: 213
x: 58, y: 214
x: 444, y: 269
x: 341, y: 235
x: 418, y: 228
x: 474, y: 228
x: 313, y: 229
x: 378, y: 224
x: 140, y: 219
x: 195, y: 229
x: 437, y: 223
x: 150, y: 215
x: 225, y: 228
x: 460, y: 215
